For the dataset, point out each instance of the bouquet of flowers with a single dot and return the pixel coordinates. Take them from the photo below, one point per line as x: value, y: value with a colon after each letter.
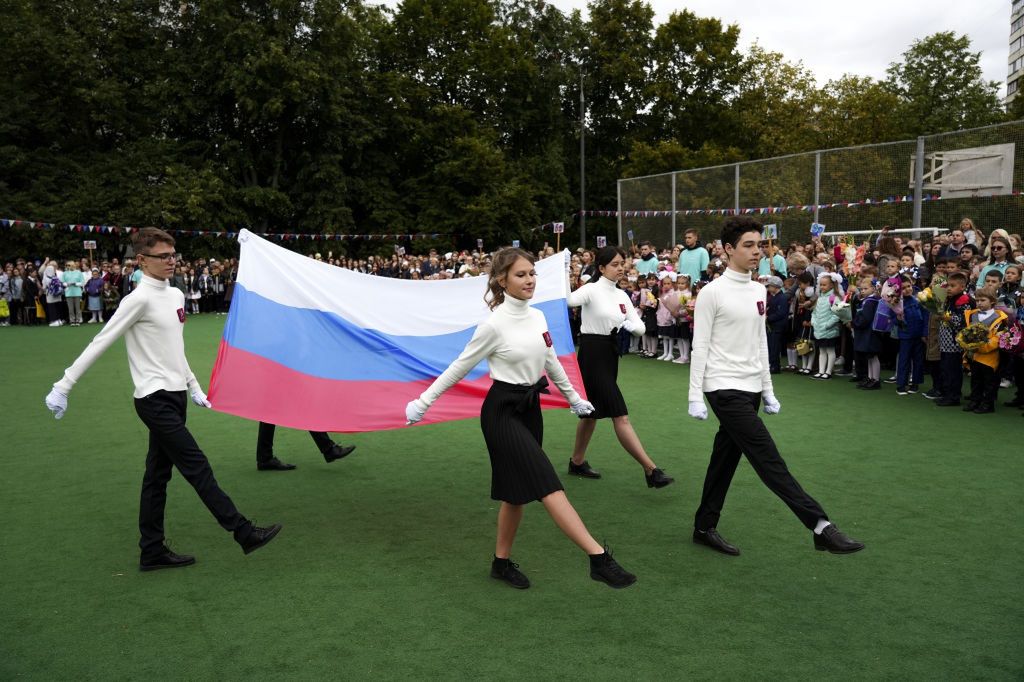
x: 1012, y: 339
x: 891, y: 294
x: 973, y: 337
x: 843, y: 311
x: 933, y: 299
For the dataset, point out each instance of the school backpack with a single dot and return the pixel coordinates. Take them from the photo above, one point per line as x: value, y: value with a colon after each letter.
x: 54, y: 287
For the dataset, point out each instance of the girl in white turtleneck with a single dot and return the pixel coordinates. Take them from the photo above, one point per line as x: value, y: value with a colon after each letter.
x: 606, y: 309
x: 518, y: 348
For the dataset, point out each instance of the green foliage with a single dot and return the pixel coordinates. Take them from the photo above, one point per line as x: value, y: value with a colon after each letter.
x: 456, y: 117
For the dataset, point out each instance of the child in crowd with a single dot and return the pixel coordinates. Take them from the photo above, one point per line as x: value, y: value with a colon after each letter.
x: 94, y: 297
x: 1011, y: 290
x: 907, y: 266
x: 111, y: 299
x: 776, y: 319
x: 912, y: 326
x: 668, y: 310
x: 825, y: 323
x: 648, y: 306
x: 789, y: 287
x: 684, y: 318
x: 985, y: 360
x: 806, y: 297
x: 952, y: 373
x: 867, y: 343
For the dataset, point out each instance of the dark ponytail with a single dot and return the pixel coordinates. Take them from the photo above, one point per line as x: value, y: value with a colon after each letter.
x: 500, y: 266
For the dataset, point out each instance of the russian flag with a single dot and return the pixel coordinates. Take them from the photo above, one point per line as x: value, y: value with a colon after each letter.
x: 308, y: 345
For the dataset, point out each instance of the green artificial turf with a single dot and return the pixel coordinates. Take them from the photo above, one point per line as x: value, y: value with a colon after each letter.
x: 381, y: 570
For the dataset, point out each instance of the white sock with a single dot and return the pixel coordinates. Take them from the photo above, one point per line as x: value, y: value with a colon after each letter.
x: 822, y: 525
x: 791, y: 356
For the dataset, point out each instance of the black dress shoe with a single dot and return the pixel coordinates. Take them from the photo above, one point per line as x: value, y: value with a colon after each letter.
x: 946, y: 402
x: 836, y: 541
x: 274, y: 464
x: 251, y: 537
x: 985, y: 408
x: 658, y: 479
x: 873, y: 385
x: 338, y: 451
x: 605, y: 569
x: 1016, y: 402
x: 583, y: 470
x: 712, y: 539
x: 166, y: 560
x: 970, y: 406
x: 506, y: 570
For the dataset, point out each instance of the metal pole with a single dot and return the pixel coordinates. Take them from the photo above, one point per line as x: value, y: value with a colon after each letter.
x: 737, y: 200
x: 583, y: 171
x: 817, y: 184
x: 618, y: 205
x: 673, y: 209
x: 918, y: 182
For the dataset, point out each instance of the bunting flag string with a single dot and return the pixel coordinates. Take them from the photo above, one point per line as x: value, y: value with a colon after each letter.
x: 770, y: 210
x: 281, y: 236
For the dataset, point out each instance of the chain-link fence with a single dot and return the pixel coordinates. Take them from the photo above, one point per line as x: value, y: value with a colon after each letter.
x: 930, y: 182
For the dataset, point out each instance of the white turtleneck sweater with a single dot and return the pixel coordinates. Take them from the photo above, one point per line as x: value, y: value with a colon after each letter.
x: 730, y: 342
x: 151, y: 319
x: 513, y: 340
x: 605, y: 307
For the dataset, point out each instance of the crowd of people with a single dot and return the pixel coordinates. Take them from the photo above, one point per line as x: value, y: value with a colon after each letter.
x: 805, y: 280
x: 60, y: 293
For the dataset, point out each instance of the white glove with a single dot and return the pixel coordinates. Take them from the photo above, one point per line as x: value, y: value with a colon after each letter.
x: 631, y: 326
x: 771, y: 404
x: 199, y: 398
x: 57, y: 403
x: 414, y: 411
x: 582, y: 408
x: 698, y: 410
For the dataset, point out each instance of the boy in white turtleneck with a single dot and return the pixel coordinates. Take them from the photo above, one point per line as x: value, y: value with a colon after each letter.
x: 151, y: 318
x: 729, y: 366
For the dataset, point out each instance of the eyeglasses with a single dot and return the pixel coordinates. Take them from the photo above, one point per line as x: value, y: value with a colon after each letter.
x: 998, y: 248
x: 165, y: 257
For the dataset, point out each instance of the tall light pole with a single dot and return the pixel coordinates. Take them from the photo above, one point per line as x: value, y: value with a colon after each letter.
x: 583, y: 157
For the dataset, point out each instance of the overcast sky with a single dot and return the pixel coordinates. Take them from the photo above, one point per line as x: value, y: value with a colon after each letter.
x: 862, y: 37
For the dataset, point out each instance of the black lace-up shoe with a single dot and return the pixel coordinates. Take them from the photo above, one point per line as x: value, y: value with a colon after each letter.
x: 338, y: 451
x: 658, y: 479
x: 836, y: 541
x: 605, y: 569
x: 508, y: 571
x: 274, y: 464
x: 167, y: 559
x: 583, y: 470
x: 711, y: 538
x: 251, y: 537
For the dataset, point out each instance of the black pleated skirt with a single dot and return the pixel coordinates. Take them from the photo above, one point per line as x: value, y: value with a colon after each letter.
x: 599, y: 365
x: 514, y: 430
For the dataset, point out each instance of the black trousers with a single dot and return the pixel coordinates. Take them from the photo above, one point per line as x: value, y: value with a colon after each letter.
x: 741, y: 432
x: 984, y: 384
x: 265, y: 442
x: 861, y: 365
x: 774, y: 350
x: 171, y: 445
x: 952, y: 373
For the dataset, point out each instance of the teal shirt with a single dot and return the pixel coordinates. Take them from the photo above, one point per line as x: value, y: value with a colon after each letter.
x: 763, y: 270
x: 994, y: 267
x: 694, y: 262
x: 74, y: 281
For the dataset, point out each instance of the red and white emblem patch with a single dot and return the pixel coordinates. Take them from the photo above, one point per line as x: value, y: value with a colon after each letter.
x: 547, y: 339
x: 760, y: 307
x: 181, y: 315
x: 622, y: 307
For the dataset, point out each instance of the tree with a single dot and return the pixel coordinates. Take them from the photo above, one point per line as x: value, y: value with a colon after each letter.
x: 696, y: 70
x: 940, y: 86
